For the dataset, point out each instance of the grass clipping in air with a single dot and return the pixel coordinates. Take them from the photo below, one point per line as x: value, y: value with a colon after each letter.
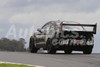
x: 14, y: 65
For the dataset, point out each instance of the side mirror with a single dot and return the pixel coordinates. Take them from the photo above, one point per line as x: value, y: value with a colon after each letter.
x: 39, y: 30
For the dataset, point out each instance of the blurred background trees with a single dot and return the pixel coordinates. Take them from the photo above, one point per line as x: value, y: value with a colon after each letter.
x: 12, y: 45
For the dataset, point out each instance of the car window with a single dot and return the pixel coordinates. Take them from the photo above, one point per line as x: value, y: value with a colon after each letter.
x: 46, y: 27
x: 51, y: 29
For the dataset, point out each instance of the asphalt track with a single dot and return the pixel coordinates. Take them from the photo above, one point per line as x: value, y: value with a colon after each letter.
x: 52, y: 60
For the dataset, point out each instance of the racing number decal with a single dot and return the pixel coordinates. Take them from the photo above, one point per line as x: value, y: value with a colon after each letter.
x: 52, y: 27
x: 49, y: 32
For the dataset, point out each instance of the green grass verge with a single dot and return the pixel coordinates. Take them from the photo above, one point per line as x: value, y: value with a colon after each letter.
x: 13, y: 65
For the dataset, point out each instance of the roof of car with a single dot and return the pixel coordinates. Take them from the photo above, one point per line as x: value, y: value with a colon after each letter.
x: 65, y: 22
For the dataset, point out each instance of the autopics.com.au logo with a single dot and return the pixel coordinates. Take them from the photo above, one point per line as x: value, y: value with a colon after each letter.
x: 16, y: 33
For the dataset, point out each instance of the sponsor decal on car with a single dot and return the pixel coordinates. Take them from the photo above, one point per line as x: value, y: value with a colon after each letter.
x: 62, y: 42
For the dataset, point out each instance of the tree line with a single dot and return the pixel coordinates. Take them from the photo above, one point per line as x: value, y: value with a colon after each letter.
x: 12, y: 45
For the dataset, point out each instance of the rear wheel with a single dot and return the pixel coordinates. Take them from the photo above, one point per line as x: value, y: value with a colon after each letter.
x: 87, y: 51
x: 50, y: 48
x: 32, y: 47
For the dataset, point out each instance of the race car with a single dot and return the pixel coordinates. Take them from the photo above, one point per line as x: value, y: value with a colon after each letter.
x: 63, y: 35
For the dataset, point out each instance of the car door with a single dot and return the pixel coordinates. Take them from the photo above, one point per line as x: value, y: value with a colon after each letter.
x: 40, y: 38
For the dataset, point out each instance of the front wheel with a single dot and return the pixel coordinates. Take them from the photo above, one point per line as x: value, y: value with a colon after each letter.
x: 32, y: 47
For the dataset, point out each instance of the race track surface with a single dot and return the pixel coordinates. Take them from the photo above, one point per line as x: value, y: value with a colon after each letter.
x: 52, y: 60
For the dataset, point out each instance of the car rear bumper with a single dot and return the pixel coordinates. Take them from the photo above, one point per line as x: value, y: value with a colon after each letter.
x: 73, y: 47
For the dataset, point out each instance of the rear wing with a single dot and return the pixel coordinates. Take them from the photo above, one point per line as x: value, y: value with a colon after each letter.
x: 84, y: 25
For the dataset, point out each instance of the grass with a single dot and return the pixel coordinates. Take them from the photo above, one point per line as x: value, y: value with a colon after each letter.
x: 13, y: 65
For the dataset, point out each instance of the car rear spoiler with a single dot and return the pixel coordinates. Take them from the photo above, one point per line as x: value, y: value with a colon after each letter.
x: 85, y: 25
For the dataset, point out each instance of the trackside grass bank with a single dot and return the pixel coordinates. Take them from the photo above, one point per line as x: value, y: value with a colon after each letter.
x: 13, y: 65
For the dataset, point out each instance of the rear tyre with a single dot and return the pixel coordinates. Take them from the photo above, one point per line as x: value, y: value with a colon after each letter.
x: 32, y: 47
x: 50, y: 48
x: 68, y: 51
x: 87, y: 51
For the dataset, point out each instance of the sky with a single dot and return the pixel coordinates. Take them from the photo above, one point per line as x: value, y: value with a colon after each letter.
x: 23, y: 16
